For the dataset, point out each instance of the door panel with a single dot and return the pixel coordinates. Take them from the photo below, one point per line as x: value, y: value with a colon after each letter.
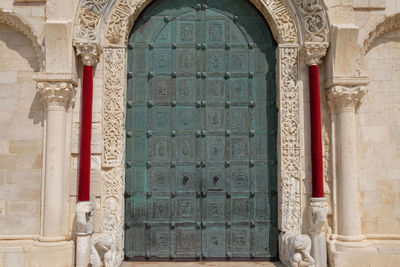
x: 201, y: 133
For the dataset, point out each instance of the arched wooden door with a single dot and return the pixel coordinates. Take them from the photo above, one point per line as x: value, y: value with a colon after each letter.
x: 201, y: 133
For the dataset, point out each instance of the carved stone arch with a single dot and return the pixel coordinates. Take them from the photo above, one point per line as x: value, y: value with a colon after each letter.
x: 124, y: 12
x: 391, y: 23
x: 18, y: 23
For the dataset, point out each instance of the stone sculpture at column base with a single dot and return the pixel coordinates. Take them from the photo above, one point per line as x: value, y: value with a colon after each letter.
x: 84, y: 231
x: 295, y: 250
x: 104, y: 251
x: 318, y: 218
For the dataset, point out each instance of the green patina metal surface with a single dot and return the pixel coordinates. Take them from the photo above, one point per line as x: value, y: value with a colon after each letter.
x: 201, y: 153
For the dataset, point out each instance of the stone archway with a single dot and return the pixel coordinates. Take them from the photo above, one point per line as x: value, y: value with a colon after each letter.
x: 18, y: 23
x: 109, y: 23
x: 391, y: 23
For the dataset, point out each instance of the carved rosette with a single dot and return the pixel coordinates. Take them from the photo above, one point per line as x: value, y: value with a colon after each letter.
x: 56, y: 89
x: 344, y: 98
x: 114, y: 107
x: 314, y: 52
x: 89, y: 52
x: 290, y: 160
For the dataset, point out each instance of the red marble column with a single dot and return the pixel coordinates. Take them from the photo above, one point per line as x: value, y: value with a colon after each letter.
x: 86, y: 134
x: 316, y: 136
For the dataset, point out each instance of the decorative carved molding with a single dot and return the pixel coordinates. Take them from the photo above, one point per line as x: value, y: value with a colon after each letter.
x: 290, y: 161
x: 89, y: 14
x: 113, y: 208
x: 345, y: 98
x: 294, y: 250
x: 391, y: 23
x: 15, y: 21
x: 314, y: 20
x: 280, y: 19
x: 114, y: 107
x: 314, y: 52
x: 56, y: 89
x: 89, y: 52
x: 318, y: 218
x: 124, y: 12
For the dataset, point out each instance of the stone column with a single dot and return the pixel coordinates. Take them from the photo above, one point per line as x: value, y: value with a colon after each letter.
x: 318, y: 204
x: 344, y: 99
x: 89, y: 53
x: 57, y: 91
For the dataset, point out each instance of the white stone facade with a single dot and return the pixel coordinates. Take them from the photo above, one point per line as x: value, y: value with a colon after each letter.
x: 43, y: 46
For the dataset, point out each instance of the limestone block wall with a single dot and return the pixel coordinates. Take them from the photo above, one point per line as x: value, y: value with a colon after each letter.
x: 21, y: 134
x: 379, y: 143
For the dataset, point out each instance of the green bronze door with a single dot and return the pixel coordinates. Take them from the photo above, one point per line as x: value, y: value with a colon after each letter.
x: 201, y: 133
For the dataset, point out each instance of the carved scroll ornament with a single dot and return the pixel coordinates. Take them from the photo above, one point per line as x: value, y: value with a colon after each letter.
x: 114, y: 107
x: 290, y: 163
x: 314, y: 18
x: 124, y: 12
x: 90, y: 13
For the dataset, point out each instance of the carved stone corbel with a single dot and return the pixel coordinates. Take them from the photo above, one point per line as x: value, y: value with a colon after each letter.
x: 88, y: 51
x: 318, y: 218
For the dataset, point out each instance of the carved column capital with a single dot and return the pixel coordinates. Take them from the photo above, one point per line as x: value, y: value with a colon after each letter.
x: 314, y: 52
x: 88, y: 51
x: 346, y: 98
x: 56, y: 89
